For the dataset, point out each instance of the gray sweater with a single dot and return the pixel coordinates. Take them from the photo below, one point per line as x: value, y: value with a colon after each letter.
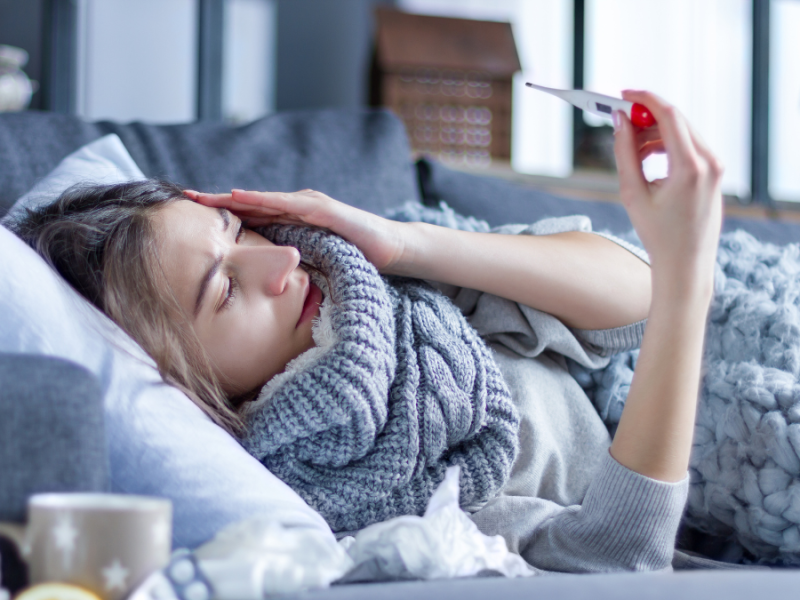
x: 568, y: 506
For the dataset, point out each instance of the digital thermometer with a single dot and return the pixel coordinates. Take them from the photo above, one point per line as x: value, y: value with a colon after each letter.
x: 602, y: 106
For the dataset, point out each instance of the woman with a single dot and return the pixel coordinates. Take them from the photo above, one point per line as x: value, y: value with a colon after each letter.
x: 223, y: 311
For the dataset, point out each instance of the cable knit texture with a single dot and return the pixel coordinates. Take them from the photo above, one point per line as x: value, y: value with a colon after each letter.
x: 364, y: 428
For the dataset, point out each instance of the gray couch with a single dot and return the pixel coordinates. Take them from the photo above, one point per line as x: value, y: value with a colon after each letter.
x: 51, y: 412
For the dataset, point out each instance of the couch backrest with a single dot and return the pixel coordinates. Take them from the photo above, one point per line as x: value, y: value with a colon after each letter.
x: 361, y: 156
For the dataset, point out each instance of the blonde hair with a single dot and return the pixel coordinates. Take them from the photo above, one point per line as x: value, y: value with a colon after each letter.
x: 101, y: 239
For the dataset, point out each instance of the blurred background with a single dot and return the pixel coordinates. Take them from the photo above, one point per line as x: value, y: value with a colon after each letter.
x: 725, y: 63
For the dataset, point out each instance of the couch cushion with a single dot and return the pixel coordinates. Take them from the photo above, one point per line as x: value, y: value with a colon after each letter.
x: 52, y: 431
x: 500, y: 202
x: 358, y: 156
x: 697, y: 585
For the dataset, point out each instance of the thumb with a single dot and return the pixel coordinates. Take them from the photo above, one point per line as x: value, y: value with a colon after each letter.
x: 632, y: 182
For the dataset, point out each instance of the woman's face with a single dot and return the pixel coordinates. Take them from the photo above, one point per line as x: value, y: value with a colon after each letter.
x: 250, y: 303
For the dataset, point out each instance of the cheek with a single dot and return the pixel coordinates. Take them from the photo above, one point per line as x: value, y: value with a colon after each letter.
x: 243, y: 346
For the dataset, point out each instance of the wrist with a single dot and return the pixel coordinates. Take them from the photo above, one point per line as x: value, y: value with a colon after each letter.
x: 683, y: 282
x: 410, y: 237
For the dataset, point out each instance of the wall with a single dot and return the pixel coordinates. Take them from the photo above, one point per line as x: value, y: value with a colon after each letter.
x: 249, y: 59
x: 324, y: 50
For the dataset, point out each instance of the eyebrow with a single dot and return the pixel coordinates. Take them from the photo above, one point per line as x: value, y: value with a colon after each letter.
x: 225, y: 215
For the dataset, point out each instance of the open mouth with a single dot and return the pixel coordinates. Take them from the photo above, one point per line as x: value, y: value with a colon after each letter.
x: 311, y: 304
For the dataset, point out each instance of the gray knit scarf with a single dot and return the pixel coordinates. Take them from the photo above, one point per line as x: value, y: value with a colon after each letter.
x: 364, y: 426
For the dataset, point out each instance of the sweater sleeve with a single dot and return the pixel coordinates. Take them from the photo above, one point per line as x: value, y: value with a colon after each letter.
x: 626, y: 522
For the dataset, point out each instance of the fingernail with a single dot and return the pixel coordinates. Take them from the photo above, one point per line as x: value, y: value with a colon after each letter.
x: 616, y: 117
x: 236, y: 190
x: 190, y: 192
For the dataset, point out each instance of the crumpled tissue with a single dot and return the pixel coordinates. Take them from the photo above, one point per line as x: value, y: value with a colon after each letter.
x: 443, y: 543
x: 258, y: 558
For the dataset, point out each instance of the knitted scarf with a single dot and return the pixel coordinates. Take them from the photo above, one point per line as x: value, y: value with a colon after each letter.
x: 398, y: 388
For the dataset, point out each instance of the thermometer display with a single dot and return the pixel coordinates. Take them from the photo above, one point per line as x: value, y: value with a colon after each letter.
x: 602, y: 106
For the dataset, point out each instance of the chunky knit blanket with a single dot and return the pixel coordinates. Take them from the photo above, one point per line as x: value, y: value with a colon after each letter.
x: 399, y: 387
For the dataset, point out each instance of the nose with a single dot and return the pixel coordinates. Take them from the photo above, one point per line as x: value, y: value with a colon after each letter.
x: 269, y: 267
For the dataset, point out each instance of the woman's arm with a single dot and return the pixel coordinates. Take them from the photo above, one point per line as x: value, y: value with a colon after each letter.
x: 584, y: 279
x: 678, y: 220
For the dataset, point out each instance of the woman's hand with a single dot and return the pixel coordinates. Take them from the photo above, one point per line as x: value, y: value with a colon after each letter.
x: 677, y: 218
x: 381, y: 240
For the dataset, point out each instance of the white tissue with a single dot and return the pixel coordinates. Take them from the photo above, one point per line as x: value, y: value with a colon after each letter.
x: 257, y: 557
x: 443, y: 543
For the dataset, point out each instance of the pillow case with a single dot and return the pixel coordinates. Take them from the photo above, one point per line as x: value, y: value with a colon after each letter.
x: 159, y: 442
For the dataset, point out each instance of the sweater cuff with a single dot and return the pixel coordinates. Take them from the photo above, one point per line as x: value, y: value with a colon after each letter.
x: 639, y: 515
x: 638, y: 251
x: 605, y: 342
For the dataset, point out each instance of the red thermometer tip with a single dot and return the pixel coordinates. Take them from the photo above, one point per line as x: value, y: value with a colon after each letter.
x: 640, y: 116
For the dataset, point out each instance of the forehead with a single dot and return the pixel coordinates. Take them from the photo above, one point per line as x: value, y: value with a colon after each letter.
x: 185, y: 214
x: 188, y: 237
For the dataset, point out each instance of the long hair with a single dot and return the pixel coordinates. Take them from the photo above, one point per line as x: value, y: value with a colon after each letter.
x: 101, y: 239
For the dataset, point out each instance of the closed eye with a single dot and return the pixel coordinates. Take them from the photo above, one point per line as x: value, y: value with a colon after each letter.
x: 233, y: 283
x: 230, y: 295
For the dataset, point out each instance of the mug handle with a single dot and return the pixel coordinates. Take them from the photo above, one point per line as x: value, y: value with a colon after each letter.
x: 16, y: 533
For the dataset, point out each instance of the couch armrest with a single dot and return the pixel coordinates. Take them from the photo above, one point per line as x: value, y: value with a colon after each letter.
x: 52, y: 437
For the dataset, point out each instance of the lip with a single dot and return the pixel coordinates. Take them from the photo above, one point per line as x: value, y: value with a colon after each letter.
x: 311, y: 304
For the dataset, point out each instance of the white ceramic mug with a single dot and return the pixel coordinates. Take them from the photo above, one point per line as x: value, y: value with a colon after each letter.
x: 106, y: 543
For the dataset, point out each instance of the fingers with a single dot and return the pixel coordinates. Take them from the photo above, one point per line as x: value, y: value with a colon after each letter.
x: 678, y: 142
x: 683, y: 145
x: 306, y: 206
x: 651, y: 134
x: 213, y: 200
x: 651, y: 148
x: 649, y: 142
x: 249, y: 202
x: 715, y: 166
x: 629, y: 166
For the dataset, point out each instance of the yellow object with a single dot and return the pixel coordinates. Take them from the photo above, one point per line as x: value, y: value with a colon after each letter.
x: 55, y: 591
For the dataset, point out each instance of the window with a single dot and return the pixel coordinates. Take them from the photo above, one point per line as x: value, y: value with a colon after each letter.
x: 137, y: 60
x: 784, y: 105
x: 695, y: 53
x: 697, y: 58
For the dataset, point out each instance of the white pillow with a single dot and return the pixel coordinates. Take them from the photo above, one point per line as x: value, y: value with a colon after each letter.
x: 159, y: 442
